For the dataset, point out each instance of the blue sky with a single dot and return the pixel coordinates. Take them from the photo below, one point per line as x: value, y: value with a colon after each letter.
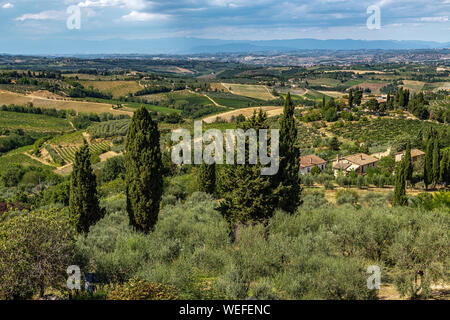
x: 224, y: 19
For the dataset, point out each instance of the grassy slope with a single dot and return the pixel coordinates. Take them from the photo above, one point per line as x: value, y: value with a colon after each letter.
x: 33, y: 122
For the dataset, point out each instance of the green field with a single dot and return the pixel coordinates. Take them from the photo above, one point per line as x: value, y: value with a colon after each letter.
x: 234, y: 101
x: 115, y: 88
x: 326, y: 82
x: 72, y: 137
x: 185, y: 97
x: 252, y: 91
x: 33, y: 122
x: 17, y: 157
x: 315, y: 95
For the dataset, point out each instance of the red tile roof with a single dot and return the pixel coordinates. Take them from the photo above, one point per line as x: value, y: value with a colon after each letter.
x: 311, y: 161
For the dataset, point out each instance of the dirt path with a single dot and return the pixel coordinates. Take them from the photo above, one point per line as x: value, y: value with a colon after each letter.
x: 273, y: 97
x: 87, y: 136
x: 215, y: 103
x: 38, y: 159
x: 223, y: 85
x: 108, y: 155
x: 64, y: 169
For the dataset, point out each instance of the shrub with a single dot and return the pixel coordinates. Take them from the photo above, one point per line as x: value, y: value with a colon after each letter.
x: 347, y: 196
x: 36, y: 249
x: 113, y: 169
x: 329, y: 185
x: 307, y: 180
x: 312, y: 200
x: 142, y: 290
x: 263, y: 290
x: 373, y: 199
x: 421, y: 255
x: 315, y: 171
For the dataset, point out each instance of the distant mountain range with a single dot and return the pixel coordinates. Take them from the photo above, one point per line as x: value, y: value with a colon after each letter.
x: 200, y: 46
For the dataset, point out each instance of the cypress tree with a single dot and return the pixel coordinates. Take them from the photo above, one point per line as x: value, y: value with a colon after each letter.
x: 408, y: 163
x: 287, y: 175
x: 207, y: 178
x: 83, y: 203
x: 436, y: 160
x: 249, y: 197
x: 428, y: 165
x: 400, y: 198
x: 144, y: 169
x: 444, y: 174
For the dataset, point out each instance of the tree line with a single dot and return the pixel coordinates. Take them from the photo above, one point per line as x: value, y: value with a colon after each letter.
x: 249, y: 197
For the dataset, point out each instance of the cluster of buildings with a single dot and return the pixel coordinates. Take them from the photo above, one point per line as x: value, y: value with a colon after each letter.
x: 359, y: 162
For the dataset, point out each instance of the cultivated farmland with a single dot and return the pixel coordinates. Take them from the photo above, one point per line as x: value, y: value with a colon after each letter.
x: 252, y: 91
x: 247, y: 112
x: 33, y: 122
x: 7, y: 98
x: 115, y: 88
x: 67, y: 153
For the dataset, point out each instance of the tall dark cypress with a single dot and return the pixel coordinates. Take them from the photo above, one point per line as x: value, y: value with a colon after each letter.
x: 436, y: 160
x: 444, y: 171
x: 400, y: 198
x: 288, y: 172
x: 428, y: 165
x: 207, y: 178
x: 249, y: 197
x: 144, y: 169
x: 408, y: 163
x: 83, y: 204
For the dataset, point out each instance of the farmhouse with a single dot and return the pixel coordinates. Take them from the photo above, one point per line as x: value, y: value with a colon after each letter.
x: 358, y: 162
x: 311, y: 161
x: 416, y: 154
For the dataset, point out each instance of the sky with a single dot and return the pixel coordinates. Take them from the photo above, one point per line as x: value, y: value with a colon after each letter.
x: 23, y: 20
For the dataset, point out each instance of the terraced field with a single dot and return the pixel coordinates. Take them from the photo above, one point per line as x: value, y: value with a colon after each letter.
x: 67, y: 153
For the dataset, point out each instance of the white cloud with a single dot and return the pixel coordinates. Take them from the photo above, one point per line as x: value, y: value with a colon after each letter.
x: 435, y: 19
x: 7, y: 5
x: 44, y: 15
x: 131, y: 4
x: 144, y: 16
